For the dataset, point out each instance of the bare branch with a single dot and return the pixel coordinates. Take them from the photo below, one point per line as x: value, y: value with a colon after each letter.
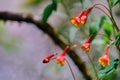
x: 46, y: 28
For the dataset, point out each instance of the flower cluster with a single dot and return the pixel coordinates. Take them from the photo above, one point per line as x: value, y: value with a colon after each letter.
x: 59, y: 59
x: 81, y: 18
x: 76, y: 21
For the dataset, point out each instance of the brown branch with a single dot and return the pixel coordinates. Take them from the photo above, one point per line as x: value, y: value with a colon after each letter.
x: 46, y: 28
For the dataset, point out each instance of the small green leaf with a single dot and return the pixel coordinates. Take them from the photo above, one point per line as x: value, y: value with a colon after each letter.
x: 54, y: 4
x: 108, y: 28
x: 106, y: 73
x: 54, y: 1
x: 112, y: 3
x: 48, y: 11
x: 96, y: 26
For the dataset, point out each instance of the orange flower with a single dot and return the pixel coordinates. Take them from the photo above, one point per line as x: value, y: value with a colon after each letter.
x: 61, y: 59
x: 48, y: 58
x: 81, y: 18
x: 76, y: 21
x: 104, y: 60
x: 86, y: 46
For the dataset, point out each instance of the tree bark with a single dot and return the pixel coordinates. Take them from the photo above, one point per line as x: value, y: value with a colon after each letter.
x: 46, y: 28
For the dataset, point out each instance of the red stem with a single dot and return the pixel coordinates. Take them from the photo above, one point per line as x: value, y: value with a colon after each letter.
x: 89, y: 39
x: 88, y: 11
x: 102, y: 6
x: 65, y: 50
x: 107, y: 48
x: 81, y: 13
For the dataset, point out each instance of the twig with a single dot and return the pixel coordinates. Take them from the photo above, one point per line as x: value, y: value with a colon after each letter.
x: 114, y: 22
x: 46, y: 28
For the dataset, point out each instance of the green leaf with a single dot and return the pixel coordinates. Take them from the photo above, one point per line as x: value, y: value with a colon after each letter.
x: 54, y: 4
x: 117, y: 41
x: 96, y: 26
x: 112, y: 3
x: 108, y: 28
x: 54, y: 1
x: 48, y: 11
x: 106, y: 73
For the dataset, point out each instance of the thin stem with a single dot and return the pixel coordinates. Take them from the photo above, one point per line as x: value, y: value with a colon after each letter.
x: 110, y: 17
x: 105, y: 36
x: 103, y: 6
x: 103, y: 11
x: 113, y: 20
x: 70, y: 69
x: 93, y: 65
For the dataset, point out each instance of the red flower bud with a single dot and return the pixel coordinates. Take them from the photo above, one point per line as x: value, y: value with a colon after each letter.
x: 47, y: 59
x: 86, y: 46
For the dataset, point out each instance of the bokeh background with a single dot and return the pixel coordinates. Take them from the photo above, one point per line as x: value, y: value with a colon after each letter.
x: 23, y: 45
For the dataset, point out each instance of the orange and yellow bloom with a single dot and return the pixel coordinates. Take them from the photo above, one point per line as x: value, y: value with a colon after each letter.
x: 76, y: 21
x: 61, y: 59
x: 104, y: 60
x: 81, y: 18
x: 86, y: 46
